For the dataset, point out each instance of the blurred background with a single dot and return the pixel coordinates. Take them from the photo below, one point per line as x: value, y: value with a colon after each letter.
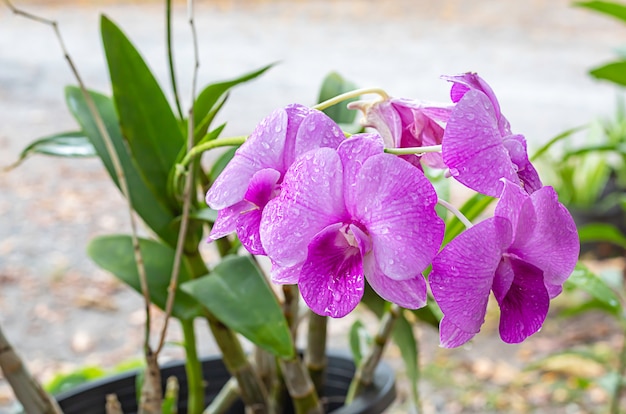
x: 62, y: 312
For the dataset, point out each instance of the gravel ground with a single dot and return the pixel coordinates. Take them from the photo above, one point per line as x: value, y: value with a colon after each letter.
x: 62, y: 312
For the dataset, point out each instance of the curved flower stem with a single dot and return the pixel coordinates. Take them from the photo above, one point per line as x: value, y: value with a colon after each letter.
x: 220, y: 142
x: 352, y: 94
x: 364, y: 374
x: 456, y: 212
x: 413, y: 150
x: 315, y: 355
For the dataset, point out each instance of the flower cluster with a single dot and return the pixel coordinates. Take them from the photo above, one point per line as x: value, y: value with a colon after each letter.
x: 333, y: 213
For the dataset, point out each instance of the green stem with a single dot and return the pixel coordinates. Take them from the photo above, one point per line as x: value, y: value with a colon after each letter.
x: 253, y: 392
x: 348, y: 95
x: 621, y: 371
x: 193, y: 368
x: 364, y: 374
x: 300, y: 387
x: 205, y: 146
x: 413, y: 150
x: 315, y: 355
x: 170, y: 54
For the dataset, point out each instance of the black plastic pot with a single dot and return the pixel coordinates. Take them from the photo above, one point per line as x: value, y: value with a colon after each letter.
x: 90, y: 398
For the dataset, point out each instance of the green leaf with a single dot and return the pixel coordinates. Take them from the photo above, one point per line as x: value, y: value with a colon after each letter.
x: 360, y: 341
x: 582, y: 278
x: 115, y: 254
x: 65, y: 382
x: 614, y: 72
x: 405, y: 339
x: 65, y: 144
x: 211, y: 94
x: 146, y: 118
x: 601, y: 232
x: 204, y: 214
x: 239, y: 296
x: 565, y: 134
x: 152, y: 207
x: 613, y: 9
x: 332, y: 85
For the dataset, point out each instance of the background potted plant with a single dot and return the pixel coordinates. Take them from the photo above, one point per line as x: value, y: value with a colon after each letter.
x: 589, y: 169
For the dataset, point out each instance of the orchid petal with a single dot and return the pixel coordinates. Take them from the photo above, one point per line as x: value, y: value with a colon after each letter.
x: 471, y: 140
x: 516, y: 206
x: 451, y: 335
x: 258, y: 152
x: 353, y: 152
x: 311, y: 199
x: 226, y: 222
x: 316, y: 130
x: 331, y: 281
x: 463, y: 274
x: 408, y: 293
x: 471, y: 81
x: 260, y: 190
x: 554, y: 245
x: 525, y: 306
x: 528, y: 176
x: 383, y: 117
x: 397, y: 206
x: 285, y: 275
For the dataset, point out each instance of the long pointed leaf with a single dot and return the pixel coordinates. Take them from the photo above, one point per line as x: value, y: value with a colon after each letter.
x: 146, y: 118
x: 115, y: 254
x: 151, y: 207
x: 238, y: 295
x: 610, y: 8
x: 211, y: 94
x: 67, y: 144
x: 614, y: 72
x: 589, y: 282
x: 601, y: 232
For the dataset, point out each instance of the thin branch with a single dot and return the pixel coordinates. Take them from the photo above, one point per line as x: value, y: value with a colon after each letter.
x: 119, y: 172
x: 170, y: 55
x: 187, y: 191
x: 26, y: 388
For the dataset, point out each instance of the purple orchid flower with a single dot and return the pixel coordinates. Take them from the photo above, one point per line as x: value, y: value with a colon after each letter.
x: 352, y: 214
x: 523, y: 254
x: 407, y: 123
x: 478, y: 146
x: 254, y: 175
